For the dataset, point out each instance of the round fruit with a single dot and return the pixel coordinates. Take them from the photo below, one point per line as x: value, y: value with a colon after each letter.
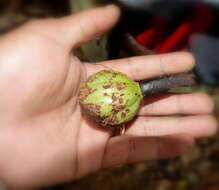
x: 110, y: 98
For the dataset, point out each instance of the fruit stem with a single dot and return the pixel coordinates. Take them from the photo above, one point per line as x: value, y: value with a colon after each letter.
x: 164, y: 84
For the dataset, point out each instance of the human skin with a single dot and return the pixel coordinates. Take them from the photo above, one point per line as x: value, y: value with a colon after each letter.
x: 44, y: 137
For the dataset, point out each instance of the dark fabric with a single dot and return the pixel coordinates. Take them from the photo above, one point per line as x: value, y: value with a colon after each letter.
x: 206, y: 50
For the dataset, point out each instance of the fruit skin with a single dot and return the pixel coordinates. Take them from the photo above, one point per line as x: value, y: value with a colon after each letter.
x: 110, y: 98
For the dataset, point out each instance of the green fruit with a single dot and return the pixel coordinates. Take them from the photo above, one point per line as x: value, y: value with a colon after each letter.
x: 110, y: 98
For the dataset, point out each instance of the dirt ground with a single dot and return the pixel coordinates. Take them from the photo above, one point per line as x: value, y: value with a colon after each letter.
x: 197, y: 170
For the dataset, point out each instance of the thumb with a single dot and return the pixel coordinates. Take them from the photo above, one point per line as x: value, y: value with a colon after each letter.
x: 83, y: 27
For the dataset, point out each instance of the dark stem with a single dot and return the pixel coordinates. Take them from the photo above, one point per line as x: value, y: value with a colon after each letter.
x: 134, y: 48
x: 164, y: 84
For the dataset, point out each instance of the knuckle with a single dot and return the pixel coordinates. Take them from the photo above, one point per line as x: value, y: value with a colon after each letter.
x: 81, y: 29
x: 161, y: 65
x: 213, y: 123
x: 133, y: 70
x: 148, y: 109
x: 96, y: 26
x: 180, y: 105
x: 209, y: 124
x: 189, y: 58
x: 34, y: 23
x: 39, y: 25
x: 149, y: 128
x: 208, y: 102
x: 131, y: 149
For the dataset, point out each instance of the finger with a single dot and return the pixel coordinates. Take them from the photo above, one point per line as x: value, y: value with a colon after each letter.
x: 177, y: 104
x: 128, y: 149
x: 196, y: 126
x: 144, y: 67
x: 83, y: 27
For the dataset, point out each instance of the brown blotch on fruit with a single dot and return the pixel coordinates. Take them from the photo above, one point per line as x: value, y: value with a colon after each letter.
x: 127, y: 110
x: 105, y: 121
x: 114, y: 118
x: 107, y: 86
x: 117, y: 108
x: 123, y: 114
x: 114, y: 98
x: 93, y: 109
x: 98, y: 107
x: 85, y: 91
x: 92, y: 78
x: 121, y: 100
x: 114, y: 75
x: 120, y: 86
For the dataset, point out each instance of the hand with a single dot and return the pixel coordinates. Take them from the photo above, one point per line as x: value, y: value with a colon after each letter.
x: 45, y: 139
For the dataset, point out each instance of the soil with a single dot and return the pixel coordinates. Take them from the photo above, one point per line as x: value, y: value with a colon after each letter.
x: 197, y: 170
x: 16, y: 12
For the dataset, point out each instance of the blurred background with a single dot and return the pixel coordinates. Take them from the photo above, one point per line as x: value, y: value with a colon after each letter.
x: 146, y: 27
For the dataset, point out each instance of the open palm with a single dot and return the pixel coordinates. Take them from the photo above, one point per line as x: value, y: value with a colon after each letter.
x: 44, y: 137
